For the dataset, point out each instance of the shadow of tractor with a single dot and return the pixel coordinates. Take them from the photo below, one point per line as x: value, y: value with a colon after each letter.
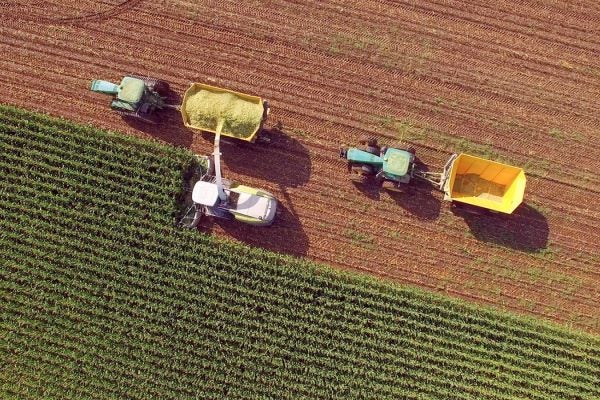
x: 169, y: 126
x: 526, y: 229
x: 419, y: 197
x: 416, y: 198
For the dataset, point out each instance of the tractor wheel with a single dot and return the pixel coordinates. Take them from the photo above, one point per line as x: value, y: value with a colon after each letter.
x: 356, y: 173
x: 372, y: 146
x: 375, y: 150
x: 367, y: 170
x: 368, y: 140
x: 197, y: 217
x: 343, y: 151
x: 161, y: 87
x: 392, y: 186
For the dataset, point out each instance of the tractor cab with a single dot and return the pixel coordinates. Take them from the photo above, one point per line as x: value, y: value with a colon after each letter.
x: 382, y: 163
x: 398, y: 165
x: 135, y: 96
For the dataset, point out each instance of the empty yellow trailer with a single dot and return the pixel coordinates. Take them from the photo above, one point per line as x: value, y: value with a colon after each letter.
x: 484, y: 183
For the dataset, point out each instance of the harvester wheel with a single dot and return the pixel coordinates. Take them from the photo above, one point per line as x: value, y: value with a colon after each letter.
x: 356, y: 173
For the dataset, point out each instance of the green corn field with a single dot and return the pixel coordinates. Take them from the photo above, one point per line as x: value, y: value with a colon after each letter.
x: 102, y: 296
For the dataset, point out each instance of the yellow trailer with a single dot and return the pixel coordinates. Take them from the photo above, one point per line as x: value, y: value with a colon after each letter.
x: 484, y: 183
x: 243, y: 114
x: 480, y: 182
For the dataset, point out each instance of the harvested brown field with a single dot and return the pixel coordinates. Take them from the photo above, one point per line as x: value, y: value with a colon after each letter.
x: 513, y: 82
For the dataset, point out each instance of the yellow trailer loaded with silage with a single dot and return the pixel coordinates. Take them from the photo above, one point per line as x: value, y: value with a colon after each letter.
x: 204, y: 105
x: 479, y: 182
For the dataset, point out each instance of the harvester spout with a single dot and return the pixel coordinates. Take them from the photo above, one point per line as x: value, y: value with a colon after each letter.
x: 217, y: 158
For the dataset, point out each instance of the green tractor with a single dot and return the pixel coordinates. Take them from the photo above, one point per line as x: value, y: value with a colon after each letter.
x: 395, y: 166
x: 136, y: 96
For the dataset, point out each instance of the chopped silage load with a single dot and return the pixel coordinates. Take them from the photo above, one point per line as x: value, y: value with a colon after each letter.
x: 476, y: 186
x: 205, y: 108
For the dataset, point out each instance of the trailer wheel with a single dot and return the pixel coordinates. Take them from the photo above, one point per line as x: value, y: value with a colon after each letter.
x: 469, y: 209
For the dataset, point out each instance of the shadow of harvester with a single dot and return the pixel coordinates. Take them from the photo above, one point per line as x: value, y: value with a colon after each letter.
x: 286, y: 235
x: 283, y: 161
x: 526, y: 229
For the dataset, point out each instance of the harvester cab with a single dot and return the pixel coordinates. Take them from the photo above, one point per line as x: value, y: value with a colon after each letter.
x: 382, y: 163
x: 136, y: 96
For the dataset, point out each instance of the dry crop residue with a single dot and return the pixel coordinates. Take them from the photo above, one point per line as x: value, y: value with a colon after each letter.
x: 518, y: 84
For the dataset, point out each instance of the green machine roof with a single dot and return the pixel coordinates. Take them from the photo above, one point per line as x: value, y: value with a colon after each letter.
x: 131, y: 90
x: 396, y: 162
